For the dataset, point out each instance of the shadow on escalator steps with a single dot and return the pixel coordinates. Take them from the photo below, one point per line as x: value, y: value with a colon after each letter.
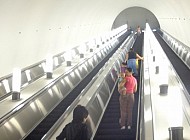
x: 109, y: 128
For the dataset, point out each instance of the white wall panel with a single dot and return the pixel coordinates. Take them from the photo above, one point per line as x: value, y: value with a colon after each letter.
x: 31, y: 29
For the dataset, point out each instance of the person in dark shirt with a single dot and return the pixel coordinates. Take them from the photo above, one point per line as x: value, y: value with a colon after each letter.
x: 131, y: 58
x: 77, y: 129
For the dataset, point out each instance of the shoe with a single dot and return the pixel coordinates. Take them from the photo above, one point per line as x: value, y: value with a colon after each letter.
x: 123, y: 127
x: 129, y: 127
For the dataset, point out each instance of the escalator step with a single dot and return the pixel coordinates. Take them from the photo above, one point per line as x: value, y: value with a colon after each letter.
x: 114, y: 137
x: 109, y: 128
x: 48, y: 122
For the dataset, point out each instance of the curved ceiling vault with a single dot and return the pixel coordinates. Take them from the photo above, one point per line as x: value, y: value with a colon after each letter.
x: 29, y: 30
x: 136, y: 16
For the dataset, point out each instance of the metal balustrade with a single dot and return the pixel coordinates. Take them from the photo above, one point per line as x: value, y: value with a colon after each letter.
x: 37, y: 70
x: 42, y: 102
x: 159, y: 106
x: 180, y: 49
x: 97, y: 94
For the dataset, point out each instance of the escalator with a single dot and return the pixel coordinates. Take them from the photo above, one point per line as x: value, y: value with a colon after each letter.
x: 182, y: 70
x: 49, y: 121
x: 109, y: 128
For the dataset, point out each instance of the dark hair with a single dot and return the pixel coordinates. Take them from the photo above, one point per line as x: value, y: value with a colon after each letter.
x: 129, y: 69
x: 123, y: 63
x: 131, y: 49
x: 79, y: 113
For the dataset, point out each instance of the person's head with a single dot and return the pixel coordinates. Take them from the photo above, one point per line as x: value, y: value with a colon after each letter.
x: 131, y: 49
x: 80, y: 114
x: 122, y: 75
x: 123, y: 64
x: 129, y: 71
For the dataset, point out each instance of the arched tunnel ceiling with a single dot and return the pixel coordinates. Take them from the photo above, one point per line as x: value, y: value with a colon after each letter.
x: 31, y: 29
x: 136, y: 16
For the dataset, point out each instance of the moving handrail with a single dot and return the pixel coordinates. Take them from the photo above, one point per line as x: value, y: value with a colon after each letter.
x: 158, y: 104
x: 33, y: 72
x: 180, y: 49
x: 183, y: 52
x: 70, y: 108
x: 87, y: 60
x: 37, y: 70
x: 98, y: 92
x: 140, y: 101
x: 51, y: 88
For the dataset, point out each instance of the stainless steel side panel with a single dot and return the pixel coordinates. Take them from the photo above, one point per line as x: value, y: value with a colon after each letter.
x: 21, y: 123
x: 63, y: 87
x: 48, y: 100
